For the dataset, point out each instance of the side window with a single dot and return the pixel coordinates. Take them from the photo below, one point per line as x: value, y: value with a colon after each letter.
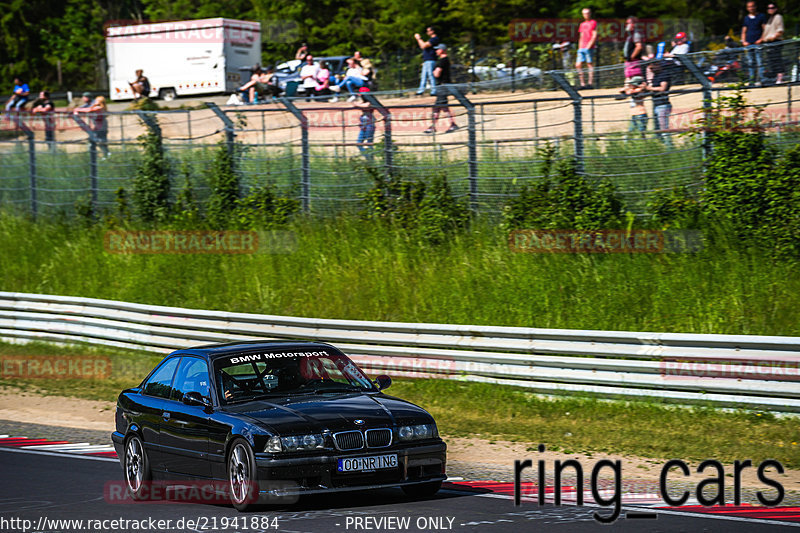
x: 192, y: 376
x: 160, y: 383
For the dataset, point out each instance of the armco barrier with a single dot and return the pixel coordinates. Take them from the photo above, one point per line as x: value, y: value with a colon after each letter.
x: 756, y: 372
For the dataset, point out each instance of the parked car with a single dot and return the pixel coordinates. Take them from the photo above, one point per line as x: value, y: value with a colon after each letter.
x: 290, y: 70
x: 502, y: 71
x: 250, y: 415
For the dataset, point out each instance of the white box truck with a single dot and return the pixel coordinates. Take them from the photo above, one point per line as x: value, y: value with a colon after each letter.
x: 182, y: 58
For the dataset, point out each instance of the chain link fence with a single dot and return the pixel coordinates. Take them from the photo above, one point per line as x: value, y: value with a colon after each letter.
x: 310, y: 149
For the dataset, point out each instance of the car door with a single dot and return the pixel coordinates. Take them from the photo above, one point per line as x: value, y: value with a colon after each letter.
x: 153, y: 399
x: 185, y: 428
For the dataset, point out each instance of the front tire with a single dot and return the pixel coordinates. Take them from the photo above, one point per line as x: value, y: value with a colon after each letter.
x: 422, y: 490
x: 242, y: 475
x: 136, y: 466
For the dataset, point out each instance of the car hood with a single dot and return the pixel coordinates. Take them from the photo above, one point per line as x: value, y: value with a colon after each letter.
x: 335, y: 412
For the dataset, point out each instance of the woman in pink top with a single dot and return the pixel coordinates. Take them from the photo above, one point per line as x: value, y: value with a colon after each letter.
x: 323, y: 79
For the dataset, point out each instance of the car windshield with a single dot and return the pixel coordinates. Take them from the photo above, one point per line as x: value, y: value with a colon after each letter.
x: 242, y: 377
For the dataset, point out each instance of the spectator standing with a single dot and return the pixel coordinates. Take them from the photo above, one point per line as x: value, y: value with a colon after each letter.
x: 98, y: 123
x: 366, y: 126
x: 773, y: 33
x: 20, y: 95
x: 587, y: 41
x: 429, y: 59
x: 86, y: 100
x: 632, y: 49
x: 636, y: 88
x: 44, y: 107
x: 662, y: 108
x: 308, y: 75
x: 752, y: 36
x: 441, y: 73
x: 141, y: 86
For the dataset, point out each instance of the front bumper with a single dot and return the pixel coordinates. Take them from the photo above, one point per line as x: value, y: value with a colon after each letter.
x: 316, y: 474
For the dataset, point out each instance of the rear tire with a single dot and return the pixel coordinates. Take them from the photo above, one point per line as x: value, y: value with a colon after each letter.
x: 423, y: 490
x: 243, y: 483
x: 167, y: 95
x: 136, y: 467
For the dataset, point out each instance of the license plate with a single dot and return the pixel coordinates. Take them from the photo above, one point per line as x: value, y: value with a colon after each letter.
x: 367, y: 464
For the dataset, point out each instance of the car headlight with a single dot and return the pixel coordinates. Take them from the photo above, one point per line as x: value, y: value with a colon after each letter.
x: 418, y: 432
x: 295, y: 443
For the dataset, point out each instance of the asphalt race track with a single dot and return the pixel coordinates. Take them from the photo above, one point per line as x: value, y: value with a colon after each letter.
x: 42, y: 487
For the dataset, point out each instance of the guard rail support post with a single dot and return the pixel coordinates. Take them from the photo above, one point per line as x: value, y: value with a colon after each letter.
x: 305, y: 179
x: 151, y: 121
x: 31, y: 161
x: 92, y: 160
x: 230, y: 129
x: 562, y: 82
x: 705, y: 83
x: 472, y: 147
x: 388, y: 149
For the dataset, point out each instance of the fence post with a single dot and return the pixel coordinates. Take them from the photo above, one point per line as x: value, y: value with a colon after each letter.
x: 707, y: 97
x: 151, y: 122
x: 577, y: 118
x: 305, y: 179
x: 31, y: 161
x: 230, y: 130
x: 92, y: 160
x: 388, y: 148
x: 472, y: 147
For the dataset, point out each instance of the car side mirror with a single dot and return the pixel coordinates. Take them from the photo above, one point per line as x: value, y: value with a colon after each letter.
x: 383, y: 381
x: 194, y: 398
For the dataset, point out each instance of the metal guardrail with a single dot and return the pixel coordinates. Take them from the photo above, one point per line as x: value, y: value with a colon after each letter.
x: 756, y: 372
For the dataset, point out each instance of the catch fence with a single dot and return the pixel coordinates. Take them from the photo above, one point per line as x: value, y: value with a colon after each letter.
x: 309, y: 149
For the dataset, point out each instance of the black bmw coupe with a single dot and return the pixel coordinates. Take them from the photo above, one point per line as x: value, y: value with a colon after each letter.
x: 273, y: 418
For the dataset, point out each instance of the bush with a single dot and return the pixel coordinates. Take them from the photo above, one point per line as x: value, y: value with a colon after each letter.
x: 151, y: 185
x: 675, y: 208
x: 564, y: 199
x: 224, y: 181
x: 264, y: 208
x: 751, y: 192
x: 428, y: 212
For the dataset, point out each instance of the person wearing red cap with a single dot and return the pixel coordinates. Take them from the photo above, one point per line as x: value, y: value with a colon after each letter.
x: 680, y: 45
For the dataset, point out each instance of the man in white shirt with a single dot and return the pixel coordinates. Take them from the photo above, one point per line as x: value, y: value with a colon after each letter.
x: 680, y: 46
x: 308, y: 75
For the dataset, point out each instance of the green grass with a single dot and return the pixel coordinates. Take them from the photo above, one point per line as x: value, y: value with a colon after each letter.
x: 570, y: 425
x: 350, y: 269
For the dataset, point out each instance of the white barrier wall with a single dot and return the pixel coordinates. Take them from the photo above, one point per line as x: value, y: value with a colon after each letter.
x: 757, y: 372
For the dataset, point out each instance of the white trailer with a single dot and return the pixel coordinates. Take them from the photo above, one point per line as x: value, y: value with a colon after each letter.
x: 182, y: 58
